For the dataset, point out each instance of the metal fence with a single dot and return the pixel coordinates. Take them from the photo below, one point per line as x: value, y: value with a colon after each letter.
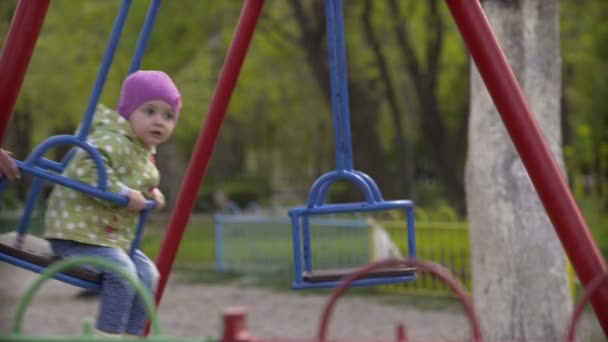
x: 446, y: 243
x: 262, y: 244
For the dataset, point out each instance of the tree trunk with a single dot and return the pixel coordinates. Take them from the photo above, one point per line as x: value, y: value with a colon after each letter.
x: 520, y: 283
x: 171, y: 173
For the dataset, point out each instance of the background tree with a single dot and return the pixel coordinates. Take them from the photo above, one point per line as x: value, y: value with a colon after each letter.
x: 408, y: 73
x: 400, y: 52
x: 520, y: 284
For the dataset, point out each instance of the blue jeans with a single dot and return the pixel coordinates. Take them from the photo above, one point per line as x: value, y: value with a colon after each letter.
x: 120, y: 310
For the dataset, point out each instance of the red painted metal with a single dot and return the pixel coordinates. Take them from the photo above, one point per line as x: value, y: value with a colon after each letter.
x: 17, y: 53
x: 235, y: 326
x: 425, y: 266
x: 207, y: 138
x: 401, y: 333
x: 593, y: 286
x: 235, y: 329
x: 532, y: 147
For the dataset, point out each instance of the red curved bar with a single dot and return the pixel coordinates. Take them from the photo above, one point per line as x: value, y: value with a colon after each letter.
x: 435, y: 269
x: 536, y: 156
x: 17, y: 53
x: 580, y: 305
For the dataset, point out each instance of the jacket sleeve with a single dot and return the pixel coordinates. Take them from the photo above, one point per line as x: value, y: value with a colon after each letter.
x: 84, y: 169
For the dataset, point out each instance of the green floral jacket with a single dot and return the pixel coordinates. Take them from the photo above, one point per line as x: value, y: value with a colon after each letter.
x: 72, y: 215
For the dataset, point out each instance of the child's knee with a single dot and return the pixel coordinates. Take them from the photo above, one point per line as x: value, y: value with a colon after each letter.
x: 150, y: 276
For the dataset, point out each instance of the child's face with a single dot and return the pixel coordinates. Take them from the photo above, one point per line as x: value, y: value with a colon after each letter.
x: 153, y: 122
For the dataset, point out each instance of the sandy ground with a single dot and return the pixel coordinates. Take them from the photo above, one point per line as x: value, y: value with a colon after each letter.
x: 189, y: 310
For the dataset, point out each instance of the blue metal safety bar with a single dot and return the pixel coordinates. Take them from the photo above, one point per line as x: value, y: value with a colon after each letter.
x: 47, y: 170
x: 42, y: 169
x: 305, y: 276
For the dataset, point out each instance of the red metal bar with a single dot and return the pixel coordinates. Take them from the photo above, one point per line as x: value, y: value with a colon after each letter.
x: 235, y: 326
x: 440, y: 272
x: 591, y: 288
x: 17, y: 53
x: 532, y: 147
x: 206, y: 140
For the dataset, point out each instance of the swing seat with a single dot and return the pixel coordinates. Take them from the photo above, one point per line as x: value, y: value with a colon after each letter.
x: 337, y: 275
x: 34, y: 254
x: 306, y: 276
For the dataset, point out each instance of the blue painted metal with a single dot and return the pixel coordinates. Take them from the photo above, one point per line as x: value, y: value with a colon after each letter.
x: 30, y: 166
x: 30, y: 204
x: 45, y: 169
x: 304, y: 285
x: 102, y: 75
x: 139, y: 230
x: 144, y: 36
x: 66, y: 278
x: 303, y: 260
x: 219, y: 242
x: 36, y: 165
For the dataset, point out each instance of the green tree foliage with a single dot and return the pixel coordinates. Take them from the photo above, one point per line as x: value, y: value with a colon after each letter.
x: 408, y: 73
x: 585, y: 79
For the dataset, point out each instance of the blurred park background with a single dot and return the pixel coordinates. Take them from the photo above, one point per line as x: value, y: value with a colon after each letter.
x: 409, y: 95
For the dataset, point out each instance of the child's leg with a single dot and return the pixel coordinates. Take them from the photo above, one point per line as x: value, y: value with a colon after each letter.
x: 117, y: 294
x: 148, y: 274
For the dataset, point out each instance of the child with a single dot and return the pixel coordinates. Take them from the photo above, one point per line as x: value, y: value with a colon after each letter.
x: 78, y: 224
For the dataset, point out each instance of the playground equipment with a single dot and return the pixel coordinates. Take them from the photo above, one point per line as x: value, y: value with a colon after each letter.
x: 42, y: 169
x: 16, y: 55
x: 67, y: 264
x: 234, y: 319
x: 500, y: 81
x: 304, y: 274
x: 259, y: 245
x: 235, y: 328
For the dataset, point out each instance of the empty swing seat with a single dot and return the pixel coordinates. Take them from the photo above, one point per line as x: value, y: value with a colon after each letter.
x: 306, y: 275
x: 337, y: 275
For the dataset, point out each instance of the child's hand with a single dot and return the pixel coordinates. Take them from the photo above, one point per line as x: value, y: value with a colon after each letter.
x: 159, y: 198
x: 137, y: 201
x: 7, y: 166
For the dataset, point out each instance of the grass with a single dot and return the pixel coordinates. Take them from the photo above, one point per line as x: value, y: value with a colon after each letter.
x: 195, y: 260
x: 596, y: 216
x: 196, y: 247
x: 447, y: 244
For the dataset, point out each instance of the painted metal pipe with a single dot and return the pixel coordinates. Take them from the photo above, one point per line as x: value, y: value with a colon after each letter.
x: 207, y: 138
x: 17, y: 53
x: 533, y: 149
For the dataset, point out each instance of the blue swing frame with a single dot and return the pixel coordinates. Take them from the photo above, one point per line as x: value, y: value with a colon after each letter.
x: 304, y: 275
x: 44, y: 169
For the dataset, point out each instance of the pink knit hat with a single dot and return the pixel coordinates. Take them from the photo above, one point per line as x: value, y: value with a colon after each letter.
x: 147, y: 85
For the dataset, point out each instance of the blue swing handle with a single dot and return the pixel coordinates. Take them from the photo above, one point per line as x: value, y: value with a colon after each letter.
x: 36, y: 165
x: 320, y: 187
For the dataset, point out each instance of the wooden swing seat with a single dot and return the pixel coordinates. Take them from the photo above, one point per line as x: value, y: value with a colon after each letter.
x: 320, y: 276
x: 37, y: 251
